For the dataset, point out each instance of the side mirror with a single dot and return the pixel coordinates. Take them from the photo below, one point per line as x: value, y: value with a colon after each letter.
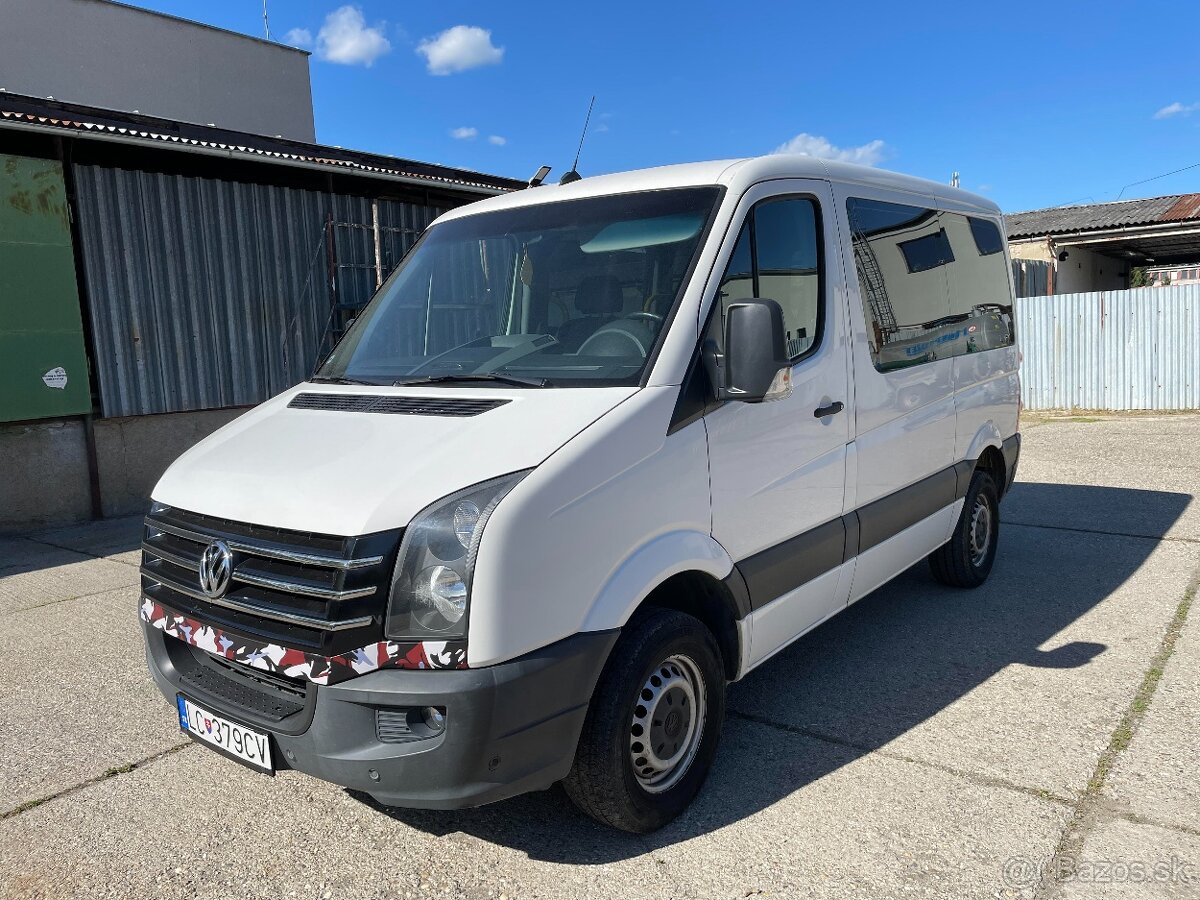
x: 755, y: 364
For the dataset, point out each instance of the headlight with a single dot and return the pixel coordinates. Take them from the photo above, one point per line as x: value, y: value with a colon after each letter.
x: 431, y: 590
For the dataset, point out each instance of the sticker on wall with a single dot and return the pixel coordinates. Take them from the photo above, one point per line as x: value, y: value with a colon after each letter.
x: 56, y: 378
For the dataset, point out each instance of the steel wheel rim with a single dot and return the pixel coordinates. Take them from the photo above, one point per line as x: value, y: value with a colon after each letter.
x: 981, y: 531
x: 667, y: 724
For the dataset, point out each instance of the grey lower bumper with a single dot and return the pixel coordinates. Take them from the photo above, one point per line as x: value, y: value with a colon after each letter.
x: 510, y: 728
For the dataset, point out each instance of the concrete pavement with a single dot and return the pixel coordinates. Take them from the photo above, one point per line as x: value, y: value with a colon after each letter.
x: 1033, y: 738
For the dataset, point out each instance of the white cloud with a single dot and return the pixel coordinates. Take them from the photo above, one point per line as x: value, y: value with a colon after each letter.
x: 346, y: 39
x: 869, y: 154
x: 497, y: 140
x: 298, y: 37
x: 466, y: 133
x: 1177, y: 109
x: 458, y: 49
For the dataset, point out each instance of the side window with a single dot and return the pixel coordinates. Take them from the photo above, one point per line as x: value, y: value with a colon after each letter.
x: 980, y: 298
x: 902, y: 254
x: 738, y: 281
x: 986, y: 235
x: 778, y: 255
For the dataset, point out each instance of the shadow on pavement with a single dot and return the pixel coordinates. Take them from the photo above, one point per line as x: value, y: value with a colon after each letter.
x: 60, y: 546
x: 880, y: 668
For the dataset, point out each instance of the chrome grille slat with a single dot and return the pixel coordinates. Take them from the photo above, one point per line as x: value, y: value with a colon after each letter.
x: 174, y: 558
x: 240, y: 545
x: 294, y: 587
x: 301, y: 589
x: 263, y: 581
x: 253, y: 609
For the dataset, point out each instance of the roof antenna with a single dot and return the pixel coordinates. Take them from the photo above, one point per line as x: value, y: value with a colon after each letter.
x: 266, y: 24
x: 574, y: 175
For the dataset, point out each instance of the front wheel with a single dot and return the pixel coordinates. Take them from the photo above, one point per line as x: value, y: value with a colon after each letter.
x: 652, y: 728
x: 966, y: 559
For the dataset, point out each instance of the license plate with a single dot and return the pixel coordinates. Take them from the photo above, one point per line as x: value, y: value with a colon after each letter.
x: 244, y: 744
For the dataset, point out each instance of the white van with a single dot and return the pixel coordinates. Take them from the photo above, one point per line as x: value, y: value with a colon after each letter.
x: 593, y: 452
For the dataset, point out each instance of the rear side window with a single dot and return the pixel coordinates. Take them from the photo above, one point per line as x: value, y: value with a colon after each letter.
x: 778, y: 256
x: 933, y: 284
x: 986, y: 235
x: 980, y: 297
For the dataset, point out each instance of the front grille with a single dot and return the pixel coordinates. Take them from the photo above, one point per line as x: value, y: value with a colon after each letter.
x: 262, y: 678
x: 312, y: 592
x: 412, y: 406
x: 264, y: 695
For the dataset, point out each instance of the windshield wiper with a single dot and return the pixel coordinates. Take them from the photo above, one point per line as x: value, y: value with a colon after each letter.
x: 316, y: 379
x: 516, y: 380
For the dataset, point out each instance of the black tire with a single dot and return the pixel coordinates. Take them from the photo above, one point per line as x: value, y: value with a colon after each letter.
x: 959, y: 562
x: 603, y: 782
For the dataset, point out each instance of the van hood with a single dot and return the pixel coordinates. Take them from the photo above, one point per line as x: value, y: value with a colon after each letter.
x: 350, y: 473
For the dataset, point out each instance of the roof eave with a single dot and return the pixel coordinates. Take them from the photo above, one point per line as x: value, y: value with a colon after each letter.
x: 167, y: 142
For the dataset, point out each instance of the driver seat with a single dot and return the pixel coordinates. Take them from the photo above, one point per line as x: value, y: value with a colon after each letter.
x: 599, y: 299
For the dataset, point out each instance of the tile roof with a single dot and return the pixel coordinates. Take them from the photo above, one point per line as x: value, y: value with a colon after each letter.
x: 1103, y: 216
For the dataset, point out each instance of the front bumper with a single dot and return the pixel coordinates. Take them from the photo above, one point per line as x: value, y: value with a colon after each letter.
x: 510, y: 728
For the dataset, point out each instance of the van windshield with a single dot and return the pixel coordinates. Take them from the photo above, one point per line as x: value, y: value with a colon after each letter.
x: 563, y: 294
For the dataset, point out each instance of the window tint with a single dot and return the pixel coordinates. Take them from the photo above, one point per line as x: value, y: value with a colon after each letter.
x: 738, y: 283
x: 986, y: 235
x: 980, y: 299
x: 778, y: 256
x: 927, y: 252
x: 933, y: 285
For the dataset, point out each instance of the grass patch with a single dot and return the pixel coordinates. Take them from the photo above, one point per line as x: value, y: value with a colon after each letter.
x: 1071, y: 842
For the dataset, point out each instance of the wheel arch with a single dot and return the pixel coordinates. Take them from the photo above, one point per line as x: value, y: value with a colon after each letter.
x: 708, y: 599
x: 683, y: 570
x: 991, y: 460
x: 986, y: 450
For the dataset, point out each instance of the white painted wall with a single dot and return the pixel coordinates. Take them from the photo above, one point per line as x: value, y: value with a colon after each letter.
x: 1084, y: 270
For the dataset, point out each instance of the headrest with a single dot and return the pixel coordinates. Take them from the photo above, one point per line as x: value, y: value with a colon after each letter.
x: 599, y: 295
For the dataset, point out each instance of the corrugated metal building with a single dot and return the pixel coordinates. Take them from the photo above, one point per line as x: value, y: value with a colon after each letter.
x: 166, y: 267
x: 1096, y: 247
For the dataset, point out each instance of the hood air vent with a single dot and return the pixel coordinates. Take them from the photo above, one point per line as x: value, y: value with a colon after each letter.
x: 405, y: 406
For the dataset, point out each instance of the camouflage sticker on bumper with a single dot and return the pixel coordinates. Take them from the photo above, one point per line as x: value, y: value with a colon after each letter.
x: 298, y: 664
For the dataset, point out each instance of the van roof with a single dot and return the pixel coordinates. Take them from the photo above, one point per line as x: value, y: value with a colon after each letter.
x: 736, y: 174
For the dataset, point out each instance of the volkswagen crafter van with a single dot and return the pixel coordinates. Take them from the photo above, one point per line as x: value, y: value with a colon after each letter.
x: 593, y: 452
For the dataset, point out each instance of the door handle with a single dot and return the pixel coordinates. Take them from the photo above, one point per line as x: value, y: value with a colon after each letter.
x: 831, y: 410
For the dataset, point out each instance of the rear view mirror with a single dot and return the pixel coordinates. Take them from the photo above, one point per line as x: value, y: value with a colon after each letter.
x: 755, y: 364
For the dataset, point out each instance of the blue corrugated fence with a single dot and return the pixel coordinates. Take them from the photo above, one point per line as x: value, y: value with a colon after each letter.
x: 1112, y: 350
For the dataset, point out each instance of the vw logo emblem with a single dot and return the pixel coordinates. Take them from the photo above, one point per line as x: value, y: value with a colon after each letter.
x: 216, y: 568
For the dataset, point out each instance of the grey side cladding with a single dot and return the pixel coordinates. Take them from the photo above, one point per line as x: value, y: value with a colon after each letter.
x: 773, y: 572
x: 779, y: 569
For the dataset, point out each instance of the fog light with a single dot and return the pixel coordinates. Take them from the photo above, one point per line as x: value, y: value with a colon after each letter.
x: 434, y: 718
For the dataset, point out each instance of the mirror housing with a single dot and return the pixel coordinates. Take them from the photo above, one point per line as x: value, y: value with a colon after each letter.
x: 755, y: 365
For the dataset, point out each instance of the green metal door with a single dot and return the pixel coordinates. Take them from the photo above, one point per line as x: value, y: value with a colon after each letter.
x: 43, y: 365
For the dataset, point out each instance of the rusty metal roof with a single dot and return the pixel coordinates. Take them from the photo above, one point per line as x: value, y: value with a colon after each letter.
x: 19, y: 110
x: 1186, y: 207
x: 1102, y: 216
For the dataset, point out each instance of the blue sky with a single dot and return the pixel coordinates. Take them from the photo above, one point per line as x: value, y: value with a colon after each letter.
x: 1035, y: 104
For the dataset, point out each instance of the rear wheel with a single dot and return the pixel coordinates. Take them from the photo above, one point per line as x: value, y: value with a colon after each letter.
x: 653, y: 724
x: 966, y: 559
